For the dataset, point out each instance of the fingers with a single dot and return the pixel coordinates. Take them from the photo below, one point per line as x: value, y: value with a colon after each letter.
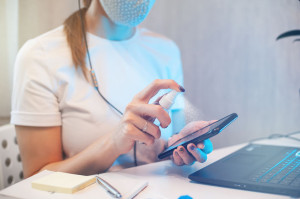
x: 194, y: 126
x: 151, y: 90
x: 197, y: 153
x: 151, y: 110
x: 176, y: 158
x: 143, y: 125
x: 185, y: 156
x: 135, y: 134
x: 206, y: 146
x: 174, y: 139
x: 212, y: 121
x: 188, y: 156
x: 199, y: 126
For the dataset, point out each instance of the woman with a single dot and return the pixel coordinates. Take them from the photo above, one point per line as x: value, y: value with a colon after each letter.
x: 68, y: 120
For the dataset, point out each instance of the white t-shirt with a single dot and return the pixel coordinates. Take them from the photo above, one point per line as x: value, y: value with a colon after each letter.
x: 49, y: 91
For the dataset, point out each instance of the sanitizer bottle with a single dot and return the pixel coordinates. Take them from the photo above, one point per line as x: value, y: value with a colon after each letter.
x: 168, y: 99
x: 166, y: 102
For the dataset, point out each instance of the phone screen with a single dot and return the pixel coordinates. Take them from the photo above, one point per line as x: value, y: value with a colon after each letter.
x: 201, y: 134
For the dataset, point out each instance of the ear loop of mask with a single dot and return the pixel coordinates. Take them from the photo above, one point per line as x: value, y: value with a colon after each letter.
x: 95, y: 82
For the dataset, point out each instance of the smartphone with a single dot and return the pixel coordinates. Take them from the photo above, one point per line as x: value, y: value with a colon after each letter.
x: 200, y: 135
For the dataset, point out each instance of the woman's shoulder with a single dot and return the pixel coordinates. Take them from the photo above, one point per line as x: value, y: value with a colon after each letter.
x: 40, y: 52
x: 49, y: 41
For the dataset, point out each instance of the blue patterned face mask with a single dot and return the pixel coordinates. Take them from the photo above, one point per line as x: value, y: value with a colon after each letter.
x: 127, y: 12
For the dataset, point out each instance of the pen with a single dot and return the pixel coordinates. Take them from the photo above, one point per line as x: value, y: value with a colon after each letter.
x: 109, y: 188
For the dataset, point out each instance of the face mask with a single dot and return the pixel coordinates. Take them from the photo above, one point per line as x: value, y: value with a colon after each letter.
x: 127, y: 12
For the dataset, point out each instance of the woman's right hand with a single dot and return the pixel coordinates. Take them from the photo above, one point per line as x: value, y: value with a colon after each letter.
x: 134, y: 125
x: 41, y: 147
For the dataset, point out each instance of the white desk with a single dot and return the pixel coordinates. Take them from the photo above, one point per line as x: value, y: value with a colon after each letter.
x: 169, y: 181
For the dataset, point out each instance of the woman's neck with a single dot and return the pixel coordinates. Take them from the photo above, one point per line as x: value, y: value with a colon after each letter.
x: 98, y: 23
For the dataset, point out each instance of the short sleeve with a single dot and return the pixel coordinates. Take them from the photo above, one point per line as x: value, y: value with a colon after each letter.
x: 34, y: 102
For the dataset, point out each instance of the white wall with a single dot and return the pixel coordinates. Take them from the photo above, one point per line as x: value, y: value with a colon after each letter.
x: 231, y: 60
x: 8, y: 48
x: 21, y: 20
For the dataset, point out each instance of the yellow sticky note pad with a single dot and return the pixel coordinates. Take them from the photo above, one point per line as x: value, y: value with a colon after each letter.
x: 63, y: 182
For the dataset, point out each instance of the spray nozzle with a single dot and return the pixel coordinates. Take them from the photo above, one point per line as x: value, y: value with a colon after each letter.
x: 168, y: 99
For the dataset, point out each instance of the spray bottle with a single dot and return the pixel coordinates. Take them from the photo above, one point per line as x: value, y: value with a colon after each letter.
x: 168, y: 99
x: 165, y: 102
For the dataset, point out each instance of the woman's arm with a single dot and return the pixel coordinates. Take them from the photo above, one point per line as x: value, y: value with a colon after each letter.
x: 41, y: 148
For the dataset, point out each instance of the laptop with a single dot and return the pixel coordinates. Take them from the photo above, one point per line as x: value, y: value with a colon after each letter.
x: 261, y: 168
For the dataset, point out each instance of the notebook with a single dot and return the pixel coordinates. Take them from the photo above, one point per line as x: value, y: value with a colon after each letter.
x: 63, y: 182
x: 261, y: 168
x: 128, y: 185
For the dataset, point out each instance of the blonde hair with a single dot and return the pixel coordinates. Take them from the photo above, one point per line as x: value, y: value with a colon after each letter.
x: 75, y: 36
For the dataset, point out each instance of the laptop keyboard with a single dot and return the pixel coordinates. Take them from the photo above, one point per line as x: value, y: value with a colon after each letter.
x: 284, y: 170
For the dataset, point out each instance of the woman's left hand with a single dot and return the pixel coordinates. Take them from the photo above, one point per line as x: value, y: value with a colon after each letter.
x: 196, y: 152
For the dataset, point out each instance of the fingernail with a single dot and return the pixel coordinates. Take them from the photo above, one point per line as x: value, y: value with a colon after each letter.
x: 201, y: 146
x: 181, y: 89
x: 181, y: 149
x: 192, y: 148
x: 163, y: 126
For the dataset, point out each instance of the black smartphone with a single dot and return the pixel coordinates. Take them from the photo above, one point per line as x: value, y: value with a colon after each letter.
x: 200, y: 135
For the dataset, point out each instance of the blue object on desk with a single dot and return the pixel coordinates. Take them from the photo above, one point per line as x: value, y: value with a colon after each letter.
x: 185, y: 197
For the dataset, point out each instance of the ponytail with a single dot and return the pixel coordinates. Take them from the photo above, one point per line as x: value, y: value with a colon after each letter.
x: 75, y: 36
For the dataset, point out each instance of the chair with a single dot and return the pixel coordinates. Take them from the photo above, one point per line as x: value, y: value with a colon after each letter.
x: 11, y: 170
